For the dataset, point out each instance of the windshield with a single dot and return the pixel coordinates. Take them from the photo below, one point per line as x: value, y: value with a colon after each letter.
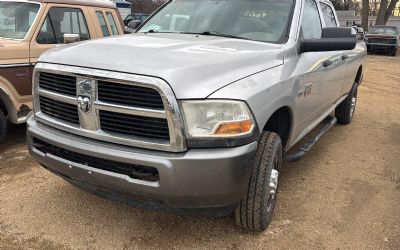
x: 384, y: 30
x: 16, y: 18
x: 259, y: 20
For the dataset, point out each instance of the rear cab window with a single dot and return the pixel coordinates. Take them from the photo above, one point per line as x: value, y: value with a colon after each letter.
x: 102, y: 22
x: 111, y: 22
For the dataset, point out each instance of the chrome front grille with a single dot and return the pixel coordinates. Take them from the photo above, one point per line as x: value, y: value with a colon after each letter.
x: 123, y: 94
x: 149, y: 127
x: 382, y: 40
x: 52, y: 82
x: 115, y: 107
x: 59, y: 110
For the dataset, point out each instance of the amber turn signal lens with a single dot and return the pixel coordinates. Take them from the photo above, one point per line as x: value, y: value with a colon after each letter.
x: 234, y: 127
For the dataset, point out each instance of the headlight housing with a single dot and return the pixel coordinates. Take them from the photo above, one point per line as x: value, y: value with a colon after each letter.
x: 213, y: 120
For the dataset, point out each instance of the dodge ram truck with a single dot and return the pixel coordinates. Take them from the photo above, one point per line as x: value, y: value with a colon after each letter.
x: 30, y: 27
x: 196, y: 111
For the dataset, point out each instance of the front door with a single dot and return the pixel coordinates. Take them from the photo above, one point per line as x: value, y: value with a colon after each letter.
x: 57, y: 21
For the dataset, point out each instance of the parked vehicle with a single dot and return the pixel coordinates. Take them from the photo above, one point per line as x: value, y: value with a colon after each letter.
x: 383, y: 39
x: 135, y: 16
x: 202, y: 118
x: 29, y: 28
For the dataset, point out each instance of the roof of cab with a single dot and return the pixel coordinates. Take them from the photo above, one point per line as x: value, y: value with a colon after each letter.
x: 94, y: 3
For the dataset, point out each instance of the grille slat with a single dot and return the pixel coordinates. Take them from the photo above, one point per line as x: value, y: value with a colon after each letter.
x: 134, y: 125
x: 62, y: 84
x: 125, y: 94
x: 132, y: 170
x: 59, y: 110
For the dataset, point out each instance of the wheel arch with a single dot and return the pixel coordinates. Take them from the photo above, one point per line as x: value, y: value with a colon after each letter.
x: 281, y: 122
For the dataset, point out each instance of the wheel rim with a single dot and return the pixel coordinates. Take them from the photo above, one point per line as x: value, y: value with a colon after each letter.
x: 353, y: 104
x: 273, y: 185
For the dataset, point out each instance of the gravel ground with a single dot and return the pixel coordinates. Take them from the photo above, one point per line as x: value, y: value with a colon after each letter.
x: 345, y: 194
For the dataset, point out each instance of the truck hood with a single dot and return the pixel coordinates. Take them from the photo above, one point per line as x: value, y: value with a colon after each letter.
x: 194, y: 66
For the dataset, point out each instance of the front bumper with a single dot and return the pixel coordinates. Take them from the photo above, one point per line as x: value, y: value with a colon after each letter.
x: 209, y: 179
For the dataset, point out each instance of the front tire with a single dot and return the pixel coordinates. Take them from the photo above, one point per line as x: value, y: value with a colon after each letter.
x: 345, y: 111
x: 394, y: 52
x: 3, y: 126
x: 257, y: 206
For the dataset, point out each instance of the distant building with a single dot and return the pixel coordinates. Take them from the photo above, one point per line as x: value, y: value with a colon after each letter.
x: 349, y: 18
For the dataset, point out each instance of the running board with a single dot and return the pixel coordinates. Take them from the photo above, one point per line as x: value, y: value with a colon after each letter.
x: 330, y: 122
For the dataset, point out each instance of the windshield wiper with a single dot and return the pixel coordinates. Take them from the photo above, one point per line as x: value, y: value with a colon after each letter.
x: 214, y: 33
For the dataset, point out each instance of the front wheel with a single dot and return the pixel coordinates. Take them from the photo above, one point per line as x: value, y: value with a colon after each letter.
x: 394, y: 52
x: 345, y: 111
x: 257, y: 206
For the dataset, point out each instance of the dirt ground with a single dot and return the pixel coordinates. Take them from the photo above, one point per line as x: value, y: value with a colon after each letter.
x: 345, y: 194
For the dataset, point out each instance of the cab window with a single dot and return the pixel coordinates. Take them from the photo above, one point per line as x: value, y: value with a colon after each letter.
x: 329, y: 16
x: 311, y: 23
x: 111, y: 21
x: 60, y: 21
x: 103, y: 24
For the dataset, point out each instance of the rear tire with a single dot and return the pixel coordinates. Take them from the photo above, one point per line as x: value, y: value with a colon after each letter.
x: 3, y: 126
x: 345, y: 111
x: 257, y: 206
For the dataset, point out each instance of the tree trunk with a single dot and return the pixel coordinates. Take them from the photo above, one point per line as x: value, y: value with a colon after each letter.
x: 365, y: 14
x: 390, y: 9
x: 380, y: 19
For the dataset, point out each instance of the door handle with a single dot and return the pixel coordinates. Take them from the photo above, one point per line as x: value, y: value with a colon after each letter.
x: 327, y: 63
x: 345, y: 57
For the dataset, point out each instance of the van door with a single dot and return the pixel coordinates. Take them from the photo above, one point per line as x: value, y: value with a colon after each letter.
x: 59, y: 20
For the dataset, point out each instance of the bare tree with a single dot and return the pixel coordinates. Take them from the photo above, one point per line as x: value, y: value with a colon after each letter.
x: 386, y: 9
x: 146, y: 6
x: 365, y: 14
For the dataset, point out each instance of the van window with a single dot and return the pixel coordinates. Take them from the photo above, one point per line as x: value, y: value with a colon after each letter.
x: 60, y: 21
x: 311, y: 24
x: 102, y: 22
x: 329, y: 16
x: 111, y: 21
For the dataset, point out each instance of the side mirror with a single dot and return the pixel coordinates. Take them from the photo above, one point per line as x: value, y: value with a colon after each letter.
x: 333, y: 39
x: 71, y: 38
x: 134, y: 24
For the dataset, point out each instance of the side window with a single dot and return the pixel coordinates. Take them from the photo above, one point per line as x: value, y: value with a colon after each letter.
x: 329, y: 16
x: 60, y: 21
x: 102, y: 22
x: 111, y: 21
x: 311, y: 24
x: 46, y: 34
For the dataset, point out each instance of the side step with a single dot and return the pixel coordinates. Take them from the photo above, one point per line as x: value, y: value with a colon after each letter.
x: 330, y: 122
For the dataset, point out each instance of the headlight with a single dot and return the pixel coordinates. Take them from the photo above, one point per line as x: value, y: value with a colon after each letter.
x: 217, y: 118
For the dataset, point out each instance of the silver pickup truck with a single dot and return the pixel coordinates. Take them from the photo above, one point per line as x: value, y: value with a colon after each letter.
x: 196, y: 111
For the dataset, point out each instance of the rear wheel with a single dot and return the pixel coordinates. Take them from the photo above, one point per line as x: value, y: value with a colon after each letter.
x: 345, y: 111
x: 257, y: 206
x: 3, y: 126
